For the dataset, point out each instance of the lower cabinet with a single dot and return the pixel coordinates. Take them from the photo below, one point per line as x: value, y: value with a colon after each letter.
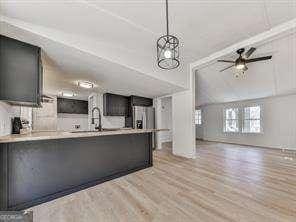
x: 34, y: 172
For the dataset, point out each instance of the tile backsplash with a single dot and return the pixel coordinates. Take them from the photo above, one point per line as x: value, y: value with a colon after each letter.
x: 66, y: 122
x: 96, y: 99
x: 6, y: 113
x: 72, y: 122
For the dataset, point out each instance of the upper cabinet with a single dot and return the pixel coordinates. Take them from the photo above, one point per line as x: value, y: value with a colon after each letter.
x: 118, y: 105
x: 141, y: 101
x: 20, y: 72
x: 72, y: 106
x: 115, y: 105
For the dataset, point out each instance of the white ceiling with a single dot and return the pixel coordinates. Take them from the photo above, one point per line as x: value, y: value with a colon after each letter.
x: 263, y: 79
x: 74, y: 65
x: 113, y: 42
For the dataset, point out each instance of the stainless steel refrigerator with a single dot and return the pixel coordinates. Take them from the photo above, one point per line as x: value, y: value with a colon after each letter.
x: 144, y: 118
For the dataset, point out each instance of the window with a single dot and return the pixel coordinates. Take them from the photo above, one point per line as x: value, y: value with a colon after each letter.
x: 252, y: 119
x: 231, y: 120
x: 198, y: 117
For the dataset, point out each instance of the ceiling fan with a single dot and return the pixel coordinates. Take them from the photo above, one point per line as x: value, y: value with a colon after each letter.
x: 241, y: 62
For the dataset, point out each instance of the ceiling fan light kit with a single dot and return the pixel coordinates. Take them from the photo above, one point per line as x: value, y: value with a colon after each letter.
x: 241, y: 62
x: 168, y: 48
x: 239, y: 74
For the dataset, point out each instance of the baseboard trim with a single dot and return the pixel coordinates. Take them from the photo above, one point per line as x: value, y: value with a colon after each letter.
x: 262, y: 147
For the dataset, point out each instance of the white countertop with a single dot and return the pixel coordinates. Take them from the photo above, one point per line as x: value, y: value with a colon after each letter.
x: 61, y: 134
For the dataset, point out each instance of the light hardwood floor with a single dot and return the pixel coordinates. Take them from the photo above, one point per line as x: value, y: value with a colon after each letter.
x: 224, y: 183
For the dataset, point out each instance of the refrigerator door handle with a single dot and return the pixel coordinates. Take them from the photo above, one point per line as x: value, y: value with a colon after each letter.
x: 144, y: 121
x: 134, y: 115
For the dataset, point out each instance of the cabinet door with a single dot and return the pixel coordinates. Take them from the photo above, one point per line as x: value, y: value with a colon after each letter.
x: 20, y: 72
x: 72, y: 106
x: 121, y: 103
x: 141, y: 101
x: 115, y: 105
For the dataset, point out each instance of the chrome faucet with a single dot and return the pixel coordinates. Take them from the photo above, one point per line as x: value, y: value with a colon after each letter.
x: 99, y: 128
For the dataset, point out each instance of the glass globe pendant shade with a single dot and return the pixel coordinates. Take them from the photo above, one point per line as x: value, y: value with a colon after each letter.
x: 168, y: 52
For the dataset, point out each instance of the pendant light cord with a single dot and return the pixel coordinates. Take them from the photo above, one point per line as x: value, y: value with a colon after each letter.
x: 167, y: 16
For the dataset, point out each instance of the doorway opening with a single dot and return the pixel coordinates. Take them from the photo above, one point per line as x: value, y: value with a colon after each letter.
x: 166, y: 123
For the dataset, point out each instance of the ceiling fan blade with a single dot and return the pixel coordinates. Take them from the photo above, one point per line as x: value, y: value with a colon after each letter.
x: 227, y: 68
x: 258, y: 59
x: 222, y: 60
x: 250, y: 52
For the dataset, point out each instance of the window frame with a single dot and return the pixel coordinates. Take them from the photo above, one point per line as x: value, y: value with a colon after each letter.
x: 260, y: 119
x: 199, y: 119
x: 237, y: 119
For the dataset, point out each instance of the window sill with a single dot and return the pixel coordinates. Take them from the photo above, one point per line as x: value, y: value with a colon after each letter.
x: 244, y: 133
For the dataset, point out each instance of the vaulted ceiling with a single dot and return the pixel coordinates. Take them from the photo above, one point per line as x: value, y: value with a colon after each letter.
x: 263, y: 79
x: 113, y: 42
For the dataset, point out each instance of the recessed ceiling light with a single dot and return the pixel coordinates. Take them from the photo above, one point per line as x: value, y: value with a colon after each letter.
x: 85, y: 84
x: 68, y: 94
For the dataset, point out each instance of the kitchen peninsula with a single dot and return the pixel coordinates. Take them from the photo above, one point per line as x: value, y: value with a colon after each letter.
x: 39, y: 167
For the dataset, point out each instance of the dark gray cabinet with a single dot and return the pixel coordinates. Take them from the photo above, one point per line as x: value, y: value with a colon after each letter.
x: 20, y: 72
x: 115, y: 105
x: 34, y: 172
x: 118, y: 105
x: 141, y: 101
x: 72, y: 106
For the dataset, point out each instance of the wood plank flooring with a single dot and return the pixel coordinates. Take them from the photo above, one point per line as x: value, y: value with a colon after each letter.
x: 224, y: 183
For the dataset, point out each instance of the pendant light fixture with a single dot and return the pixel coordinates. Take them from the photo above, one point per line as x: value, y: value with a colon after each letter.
x: 168, y: 48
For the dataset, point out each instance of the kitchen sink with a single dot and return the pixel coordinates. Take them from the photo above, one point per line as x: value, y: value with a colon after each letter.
x: 110, y: 129
x: 97, y: 131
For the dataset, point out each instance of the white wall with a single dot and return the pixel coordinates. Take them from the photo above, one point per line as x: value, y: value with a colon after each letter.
x: 157, y: 106
x: 198, y: 128
x: 183, y: 108
x: 5, y: 119
x: 199, y: 131
x: 67, y: 122
x: 279, y: 123
x: 183, y: 125
x: 7, y: 112
x: 166, y: 119
x: 107, y: 121
x: 45, y: 117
